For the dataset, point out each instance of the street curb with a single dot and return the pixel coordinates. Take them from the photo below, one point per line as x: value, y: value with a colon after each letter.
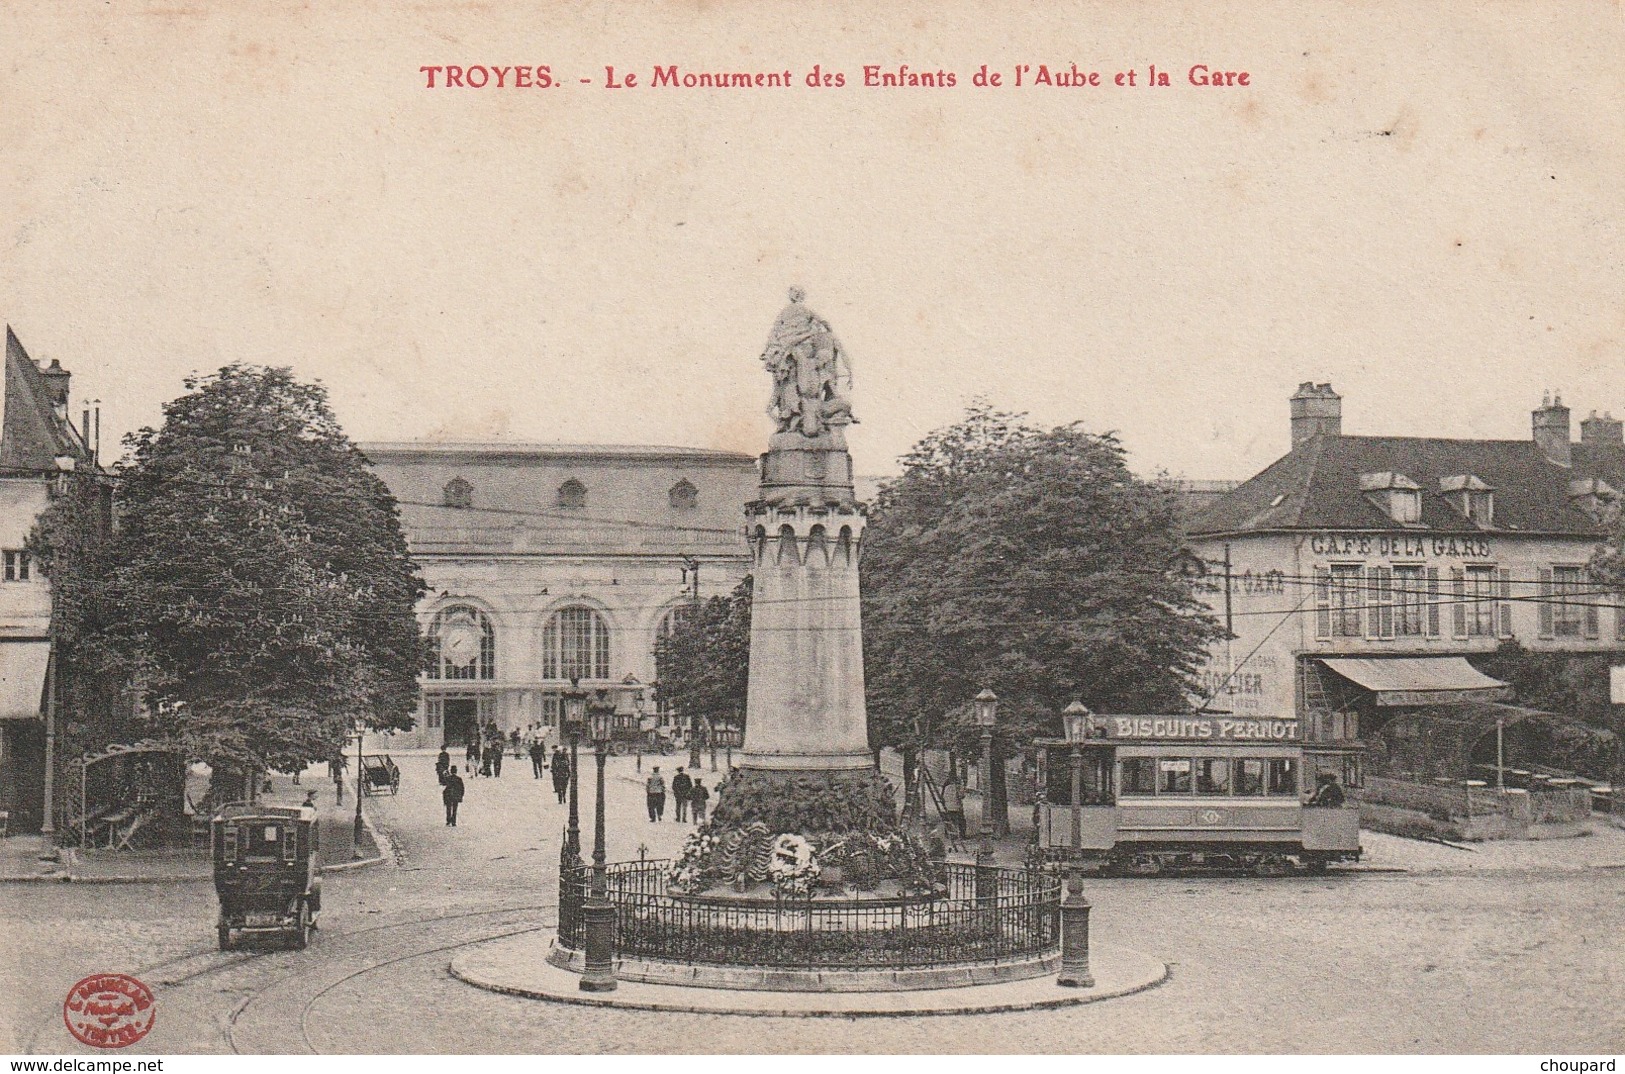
x: 618, y: 999
x: 382, y: 844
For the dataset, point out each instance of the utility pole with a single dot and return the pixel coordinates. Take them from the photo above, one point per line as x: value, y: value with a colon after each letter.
x: 691, y: 576
x: 1229, y: 626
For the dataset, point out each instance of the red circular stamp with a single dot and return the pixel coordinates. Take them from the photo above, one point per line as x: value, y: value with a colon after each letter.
x: 109, y: 1010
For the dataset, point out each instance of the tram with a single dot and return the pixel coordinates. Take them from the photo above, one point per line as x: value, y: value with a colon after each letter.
x: 1141, y: 794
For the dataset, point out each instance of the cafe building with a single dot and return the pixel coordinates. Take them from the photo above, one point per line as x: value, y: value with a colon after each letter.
x: 546, y: 563
x: 1359, y: 574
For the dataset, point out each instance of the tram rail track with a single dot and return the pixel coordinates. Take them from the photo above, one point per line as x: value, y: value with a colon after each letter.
x: 205, y: 961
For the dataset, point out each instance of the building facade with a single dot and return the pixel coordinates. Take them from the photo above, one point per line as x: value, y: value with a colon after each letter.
x: 547, y: 563
x: 39, y: 449
x: 1358, y: 573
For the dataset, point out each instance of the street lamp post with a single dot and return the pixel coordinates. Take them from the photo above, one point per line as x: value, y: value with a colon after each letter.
x: 987, y: 712
x: 598, y: 913
x: 1076, y: 720
x: 360, y: 778
x: 1074, y: 907
x: 575, y: 702
x: 635, y: 688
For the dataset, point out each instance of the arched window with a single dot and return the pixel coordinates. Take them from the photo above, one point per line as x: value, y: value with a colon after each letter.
x: 464, y: 644
x: 457, y: 493
x: 684, y: 496
x: 573, y: 495
x: 575, y: 645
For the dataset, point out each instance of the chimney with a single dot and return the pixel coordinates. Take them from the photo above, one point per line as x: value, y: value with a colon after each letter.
x: 1604, y: 430
x: 56, y: 383
x: 1316, y: 411
x: 1551, y: 425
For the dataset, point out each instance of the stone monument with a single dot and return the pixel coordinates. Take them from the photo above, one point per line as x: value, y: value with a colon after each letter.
x: 803, y: 879
x: 806, y: 785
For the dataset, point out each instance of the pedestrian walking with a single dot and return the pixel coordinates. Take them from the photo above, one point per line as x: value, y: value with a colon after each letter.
x: 485, y: 760
x: 681, y: 784
x: 442, y: 765
x: 496, y: 756
x: 471, y: 753
x: 655, y: 788
x: 335, y: 769
x: 538, y: 759
x: 953, y: 803
x: 699, y: 796
x: 452, y: 795
x: 561, y: 772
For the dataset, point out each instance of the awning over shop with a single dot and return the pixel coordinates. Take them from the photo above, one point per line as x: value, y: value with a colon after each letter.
x: 1419, y: 680
x: 22, y: 678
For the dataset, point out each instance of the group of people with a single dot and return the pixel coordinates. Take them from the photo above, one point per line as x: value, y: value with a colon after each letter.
x: 487, y: 747
x: 690, y: 794
x: 484, y: 755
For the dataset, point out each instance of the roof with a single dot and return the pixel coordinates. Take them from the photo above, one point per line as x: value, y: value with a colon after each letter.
x: 406, y: 449
x: 32, y: 436
x: 1316, y: 486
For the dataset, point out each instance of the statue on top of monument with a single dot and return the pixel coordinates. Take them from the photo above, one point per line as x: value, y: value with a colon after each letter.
x: 808, y: 367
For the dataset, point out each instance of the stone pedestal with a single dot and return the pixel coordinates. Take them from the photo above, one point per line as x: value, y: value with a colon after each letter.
x: 805, y: 709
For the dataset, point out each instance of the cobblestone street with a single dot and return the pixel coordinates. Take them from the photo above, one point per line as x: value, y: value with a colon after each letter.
x: 1511, y: 949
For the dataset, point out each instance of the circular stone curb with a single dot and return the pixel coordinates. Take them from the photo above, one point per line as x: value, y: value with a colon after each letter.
x: 516, y: 966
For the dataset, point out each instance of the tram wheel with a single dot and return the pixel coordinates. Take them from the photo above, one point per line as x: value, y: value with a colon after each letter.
x: 223, y: 933
x: 1146, y: 865
x: 301, y: 936
x: 1315, y: 866
x: 1271, y: 865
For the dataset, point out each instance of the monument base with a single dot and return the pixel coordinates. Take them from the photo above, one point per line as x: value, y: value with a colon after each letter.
x: 806, y: 831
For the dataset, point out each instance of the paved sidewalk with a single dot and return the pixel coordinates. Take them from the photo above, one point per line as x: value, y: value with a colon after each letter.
x: 29, y: 858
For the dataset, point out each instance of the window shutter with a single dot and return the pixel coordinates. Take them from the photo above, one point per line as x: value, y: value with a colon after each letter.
x: 1382, y: 614
x: 1323, y: 602
x: 1433, y: 602
x: 1458, y: 594
x: 1545, y: 602
x: 1593, y: 624
x: 1503, y: 613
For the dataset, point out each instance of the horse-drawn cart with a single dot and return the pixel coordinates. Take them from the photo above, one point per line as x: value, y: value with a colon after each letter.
x: 379, y: 775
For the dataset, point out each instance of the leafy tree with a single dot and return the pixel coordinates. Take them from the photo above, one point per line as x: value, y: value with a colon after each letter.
x: 703, y: 665
x: 257, y: 587
x: 1032, y: 562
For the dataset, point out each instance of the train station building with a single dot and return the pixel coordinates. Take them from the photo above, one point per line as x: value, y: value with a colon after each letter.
x: 547, y: 562
x: 1359, y: 574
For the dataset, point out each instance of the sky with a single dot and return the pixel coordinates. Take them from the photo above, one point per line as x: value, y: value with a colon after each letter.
x: 1418, y: 203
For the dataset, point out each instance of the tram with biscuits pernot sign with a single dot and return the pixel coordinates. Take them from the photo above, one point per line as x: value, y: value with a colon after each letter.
x: 266, y: 872
x: 1209, y: 790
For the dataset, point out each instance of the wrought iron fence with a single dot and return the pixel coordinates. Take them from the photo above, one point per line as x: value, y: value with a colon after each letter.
x: 1016, y: 917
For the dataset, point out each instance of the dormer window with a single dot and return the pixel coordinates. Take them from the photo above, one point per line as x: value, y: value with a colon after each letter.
x: 573, y: 495
x: 457, y: 493
x: 1469, y: 495
x: 1596, y: 498
x: 684, y: 496
x: 1395, y: 495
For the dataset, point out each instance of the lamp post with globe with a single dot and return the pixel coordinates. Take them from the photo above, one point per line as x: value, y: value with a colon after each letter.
x: 1074, y: 907
x: 575, y: 703
x: 598, y: 913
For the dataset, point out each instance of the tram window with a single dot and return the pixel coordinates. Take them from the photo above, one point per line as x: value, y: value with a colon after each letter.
x: 1250, y: 776
x: 1174, y: 776
x: 1212, y: 775
x: 1283, y: 776
x: 1351, y: 771
x: 1139, y: 775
